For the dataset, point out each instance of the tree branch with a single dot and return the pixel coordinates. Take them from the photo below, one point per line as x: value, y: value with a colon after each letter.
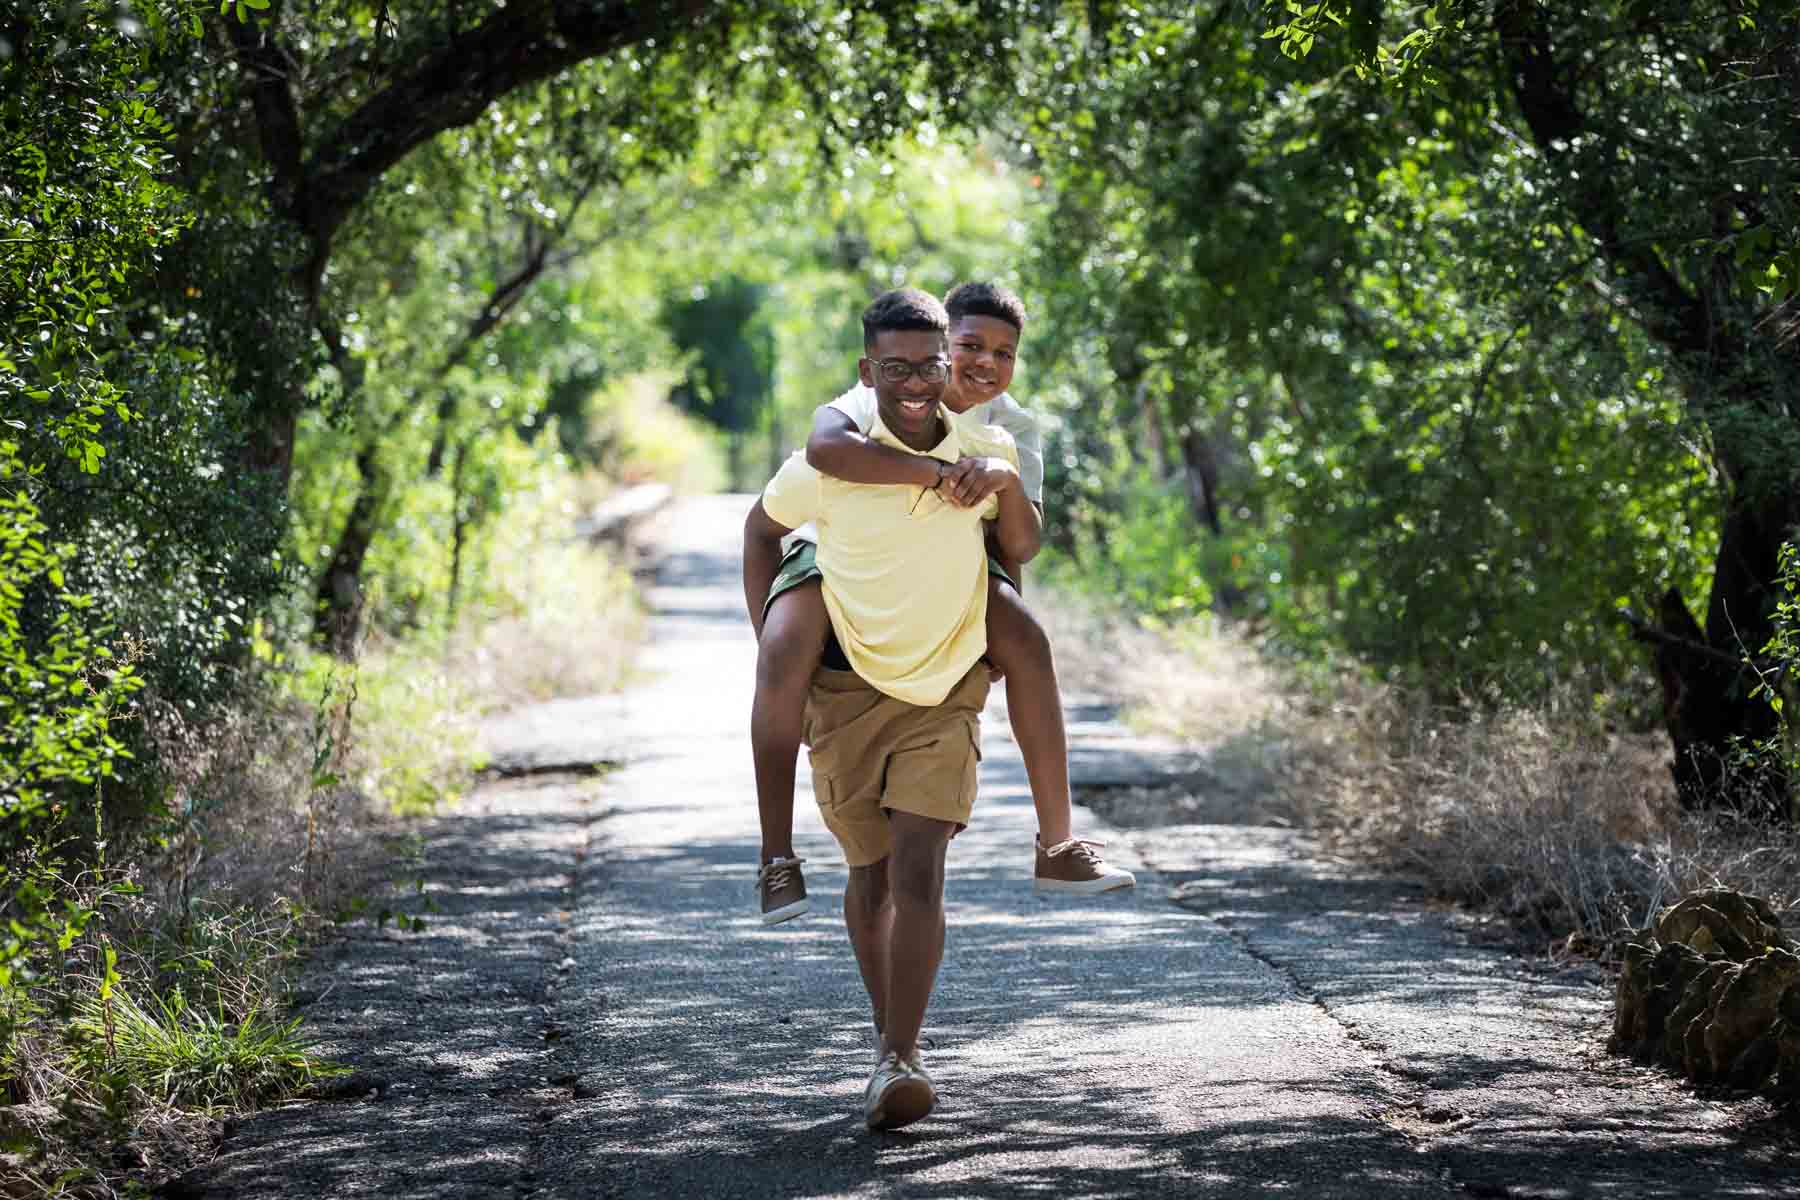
x: 267, y: 63
x: 1546, y: 96
x: 504, y: 298
x: 1643, y: 631
x: 523, y: 43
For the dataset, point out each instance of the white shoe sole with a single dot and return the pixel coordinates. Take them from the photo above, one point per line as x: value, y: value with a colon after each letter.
x: 905, y: 1101
x: 1086, y: 887
x: 786, y: 912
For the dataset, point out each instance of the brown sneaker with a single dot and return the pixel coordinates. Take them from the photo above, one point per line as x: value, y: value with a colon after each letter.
x: 782, y: 890
x: 899, y: 1093
x: 1076, y: 866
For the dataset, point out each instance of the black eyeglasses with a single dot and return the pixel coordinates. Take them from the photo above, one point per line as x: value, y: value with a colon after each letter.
x: 899, y: 370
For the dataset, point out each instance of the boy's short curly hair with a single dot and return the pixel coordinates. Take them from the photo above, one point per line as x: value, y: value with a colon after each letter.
x: 903, y: 308
x: 985, y: 299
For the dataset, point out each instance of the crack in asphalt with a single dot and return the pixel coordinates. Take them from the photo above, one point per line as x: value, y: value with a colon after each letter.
x: 1409, y: 1116
x: 567, y: 1076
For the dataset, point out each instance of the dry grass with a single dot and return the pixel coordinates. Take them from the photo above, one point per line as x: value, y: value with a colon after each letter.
x: 571, y: 632
x: 1569, y: 830
x: 1185, y: 681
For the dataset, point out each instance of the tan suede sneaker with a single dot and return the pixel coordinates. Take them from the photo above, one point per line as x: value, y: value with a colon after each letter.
x: 781, y: 890
x: 899, y: 1093
x: 1076, y: 866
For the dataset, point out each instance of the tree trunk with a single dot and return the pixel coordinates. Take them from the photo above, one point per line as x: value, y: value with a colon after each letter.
x: 1148, y: 412
x: 1200, y: 470
x: 459, y: 528
x: 337, y: 617
x: 734, y: 460
x: 1727, y: 741
x: 778, y: 451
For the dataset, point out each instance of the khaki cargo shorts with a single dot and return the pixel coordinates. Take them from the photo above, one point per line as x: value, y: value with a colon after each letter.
x: 871, y: 753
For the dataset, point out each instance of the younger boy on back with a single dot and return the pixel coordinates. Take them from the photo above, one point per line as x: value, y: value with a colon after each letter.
x: 986, y: 322
x: 894, y: 735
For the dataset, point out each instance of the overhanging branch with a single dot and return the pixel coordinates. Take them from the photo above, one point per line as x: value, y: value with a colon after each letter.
x: 268, y: 66
x: 520, y: 44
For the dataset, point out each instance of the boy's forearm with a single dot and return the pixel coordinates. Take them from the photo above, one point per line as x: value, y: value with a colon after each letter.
x: 1015, y: 570
x: 854, y: 458
x: 1018, y: 530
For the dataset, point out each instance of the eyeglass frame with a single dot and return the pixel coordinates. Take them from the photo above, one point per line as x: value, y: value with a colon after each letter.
x: 918, y: 368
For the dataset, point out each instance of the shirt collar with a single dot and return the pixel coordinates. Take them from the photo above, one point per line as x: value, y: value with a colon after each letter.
x: 949, y: 447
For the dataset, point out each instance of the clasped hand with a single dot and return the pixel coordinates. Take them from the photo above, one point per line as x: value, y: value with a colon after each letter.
x: 969, y: 481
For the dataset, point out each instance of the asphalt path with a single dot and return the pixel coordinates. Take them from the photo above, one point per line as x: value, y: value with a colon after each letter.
x: 594, y: 1008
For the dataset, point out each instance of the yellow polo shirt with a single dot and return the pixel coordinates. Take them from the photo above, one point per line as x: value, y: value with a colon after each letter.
x: 905, y: 571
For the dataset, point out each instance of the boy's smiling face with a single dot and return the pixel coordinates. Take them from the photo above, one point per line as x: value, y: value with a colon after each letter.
x: 908, y: 408
x: 983, y: 351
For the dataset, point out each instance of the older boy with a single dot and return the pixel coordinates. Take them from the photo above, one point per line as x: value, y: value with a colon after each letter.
x: 987, y: 321
x: 903, y: 575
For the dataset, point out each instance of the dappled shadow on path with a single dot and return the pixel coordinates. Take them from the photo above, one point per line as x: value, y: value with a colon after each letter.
x: 1150, y: 1061
x: 448, y: 1028
x: 728, y: 1060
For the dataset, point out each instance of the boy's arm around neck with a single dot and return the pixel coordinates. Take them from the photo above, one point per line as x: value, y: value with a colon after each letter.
x: 838, y: 449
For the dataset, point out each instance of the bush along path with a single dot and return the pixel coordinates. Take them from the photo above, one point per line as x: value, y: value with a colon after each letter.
x: 592, y: 1008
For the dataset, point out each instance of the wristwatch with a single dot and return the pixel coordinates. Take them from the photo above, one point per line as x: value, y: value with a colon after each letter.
x: 943, y: 469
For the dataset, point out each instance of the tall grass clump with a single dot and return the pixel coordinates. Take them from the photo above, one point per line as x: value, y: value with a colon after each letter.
x: 1571, y: 830
x: 187, y: 1056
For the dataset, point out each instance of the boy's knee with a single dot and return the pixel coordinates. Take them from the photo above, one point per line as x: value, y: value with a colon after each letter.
x: 916, y: 870
x: 867, y: 894
x: 793, y: 638
x: 1016, y: 641
x: 784, y: 669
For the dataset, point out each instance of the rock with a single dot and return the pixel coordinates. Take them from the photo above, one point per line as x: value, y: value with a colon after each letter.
x: 1631, y: 1009
x: 1724, y: 922
x: 1744, y: 1011
x: 1786, y: 1036
x: 1670, y: 972
x: 1753, y: 1066
x: 357, y: 1085
x: 1713, y: 990
x: 1684, y: 1032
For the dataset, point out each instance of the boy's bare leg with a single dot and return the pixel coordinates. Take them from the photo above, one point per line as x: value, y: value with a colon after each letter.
x: 915, y: 944
x: 869, y: 919
x: 793, y: 638
x: 1018, y: 645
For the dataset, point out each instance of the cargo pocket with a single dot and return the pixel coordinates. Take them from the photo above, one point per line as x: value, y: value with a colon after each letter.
x: 824, y: 791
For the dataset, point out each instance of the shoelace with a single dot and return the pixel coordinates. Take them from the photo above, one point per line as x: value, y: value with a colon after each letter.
x: 1079, y: 847
x: 904, y: 1066
x: 778, y: 873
